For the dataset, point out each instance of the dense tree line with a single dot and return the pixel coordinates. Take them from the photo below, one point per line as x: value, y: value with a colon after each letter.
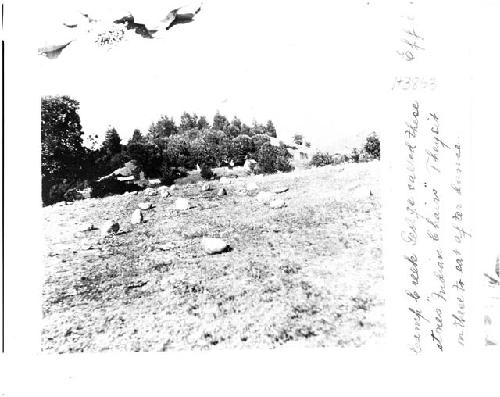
x: 66, y: 162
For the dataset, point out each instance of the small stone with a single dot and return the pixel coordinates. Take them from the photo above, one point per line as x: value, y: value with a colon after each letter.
x: 206, y: 187
x: 109, y: 227
x: 137, y: 217
x: 86, y: 227
x: 265, y: 197
x: 182, y: 204
x: 164, y: 193
x: 150, y: 192
x: 280, y: 189
x: 214, y: 245
x: 222, y: 192
x: 134, y: 193
x: 252, y: 186
x: 278, y: 203
x: 225, y: 181
x: 145, y: 206
x: 173, y: 187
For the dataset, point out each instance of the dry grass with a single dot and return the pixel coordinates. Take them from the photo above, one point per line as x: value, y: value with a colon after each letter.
x: 308, y: 274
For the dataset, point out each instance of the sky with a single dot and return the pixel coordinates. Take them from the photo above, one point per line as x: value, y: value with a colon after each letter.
x: 314, y: 67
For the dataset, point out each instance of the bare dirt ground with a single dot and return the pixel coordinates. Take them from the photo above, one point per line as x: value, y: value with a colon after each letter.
x: 309, y: 274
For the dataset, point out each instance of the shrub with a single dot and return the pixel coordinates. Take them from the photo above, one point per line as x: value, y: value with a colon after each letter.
x: 179, y: 153
x: 355, y: 155
x: 206, y: 172
x: 372, y: 145
x: 239, y: 148
x: 272, y: 159
x: 170, y: 174
x: 259, y: 140
x: 110, y: 186
x: 55, y: 193
x: 320, y: 159
x: 73, y: 195
x: 283, y: 160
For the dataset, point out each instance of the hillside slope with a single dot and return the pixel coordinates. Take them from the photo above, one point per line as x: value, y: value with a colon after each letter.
x: 309, y: 273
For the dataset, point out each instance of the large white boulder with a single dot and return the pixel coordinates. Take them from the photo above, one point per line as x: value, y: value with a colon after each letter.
x: 214, y: 245
x: 137, y: 217
x: 182, y: 204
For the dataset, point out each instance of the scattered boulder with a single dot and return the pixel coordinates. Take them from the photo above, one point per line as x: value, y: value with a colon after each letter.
x: 134, y: 193
x: 206, y: 187
x: 164, y: 192
x: 182, y: 204
x: 278, y: 203
x: 145, y: 206
x: 109, y: 227
x: 173, y: 187
x: 214, y: 245
x: 280, y: 189
x: 265, y: 197
x: 150, y: 192
x: 225, y: 180
x: 87, y: 227
x: 137, y: 217
x: 222, y: 192
x: 249, y: 165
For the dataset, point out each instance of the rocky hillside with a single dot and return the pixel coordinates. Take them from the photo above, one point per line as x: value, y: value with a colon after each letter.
x: 300, y: 263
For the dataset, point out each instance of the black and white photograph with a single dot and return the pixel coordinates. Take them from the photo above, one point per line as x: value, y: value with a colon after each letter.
x: 206, y: 183
x: 249, y: 197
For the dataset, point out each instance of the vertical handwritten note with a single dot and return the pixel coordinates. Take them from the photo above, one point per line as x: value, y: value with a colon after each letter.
x: 432, y: 139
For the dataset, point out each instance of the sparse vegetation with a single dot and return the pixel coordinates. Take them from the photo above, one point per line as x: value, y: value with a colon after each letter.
x: 170, y: 174
x: 272, y: 159
x: 372, y: 145
x: 309, y: 273
x: 110, y: 186
x: 320, y: 159
x: 206, y: 172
